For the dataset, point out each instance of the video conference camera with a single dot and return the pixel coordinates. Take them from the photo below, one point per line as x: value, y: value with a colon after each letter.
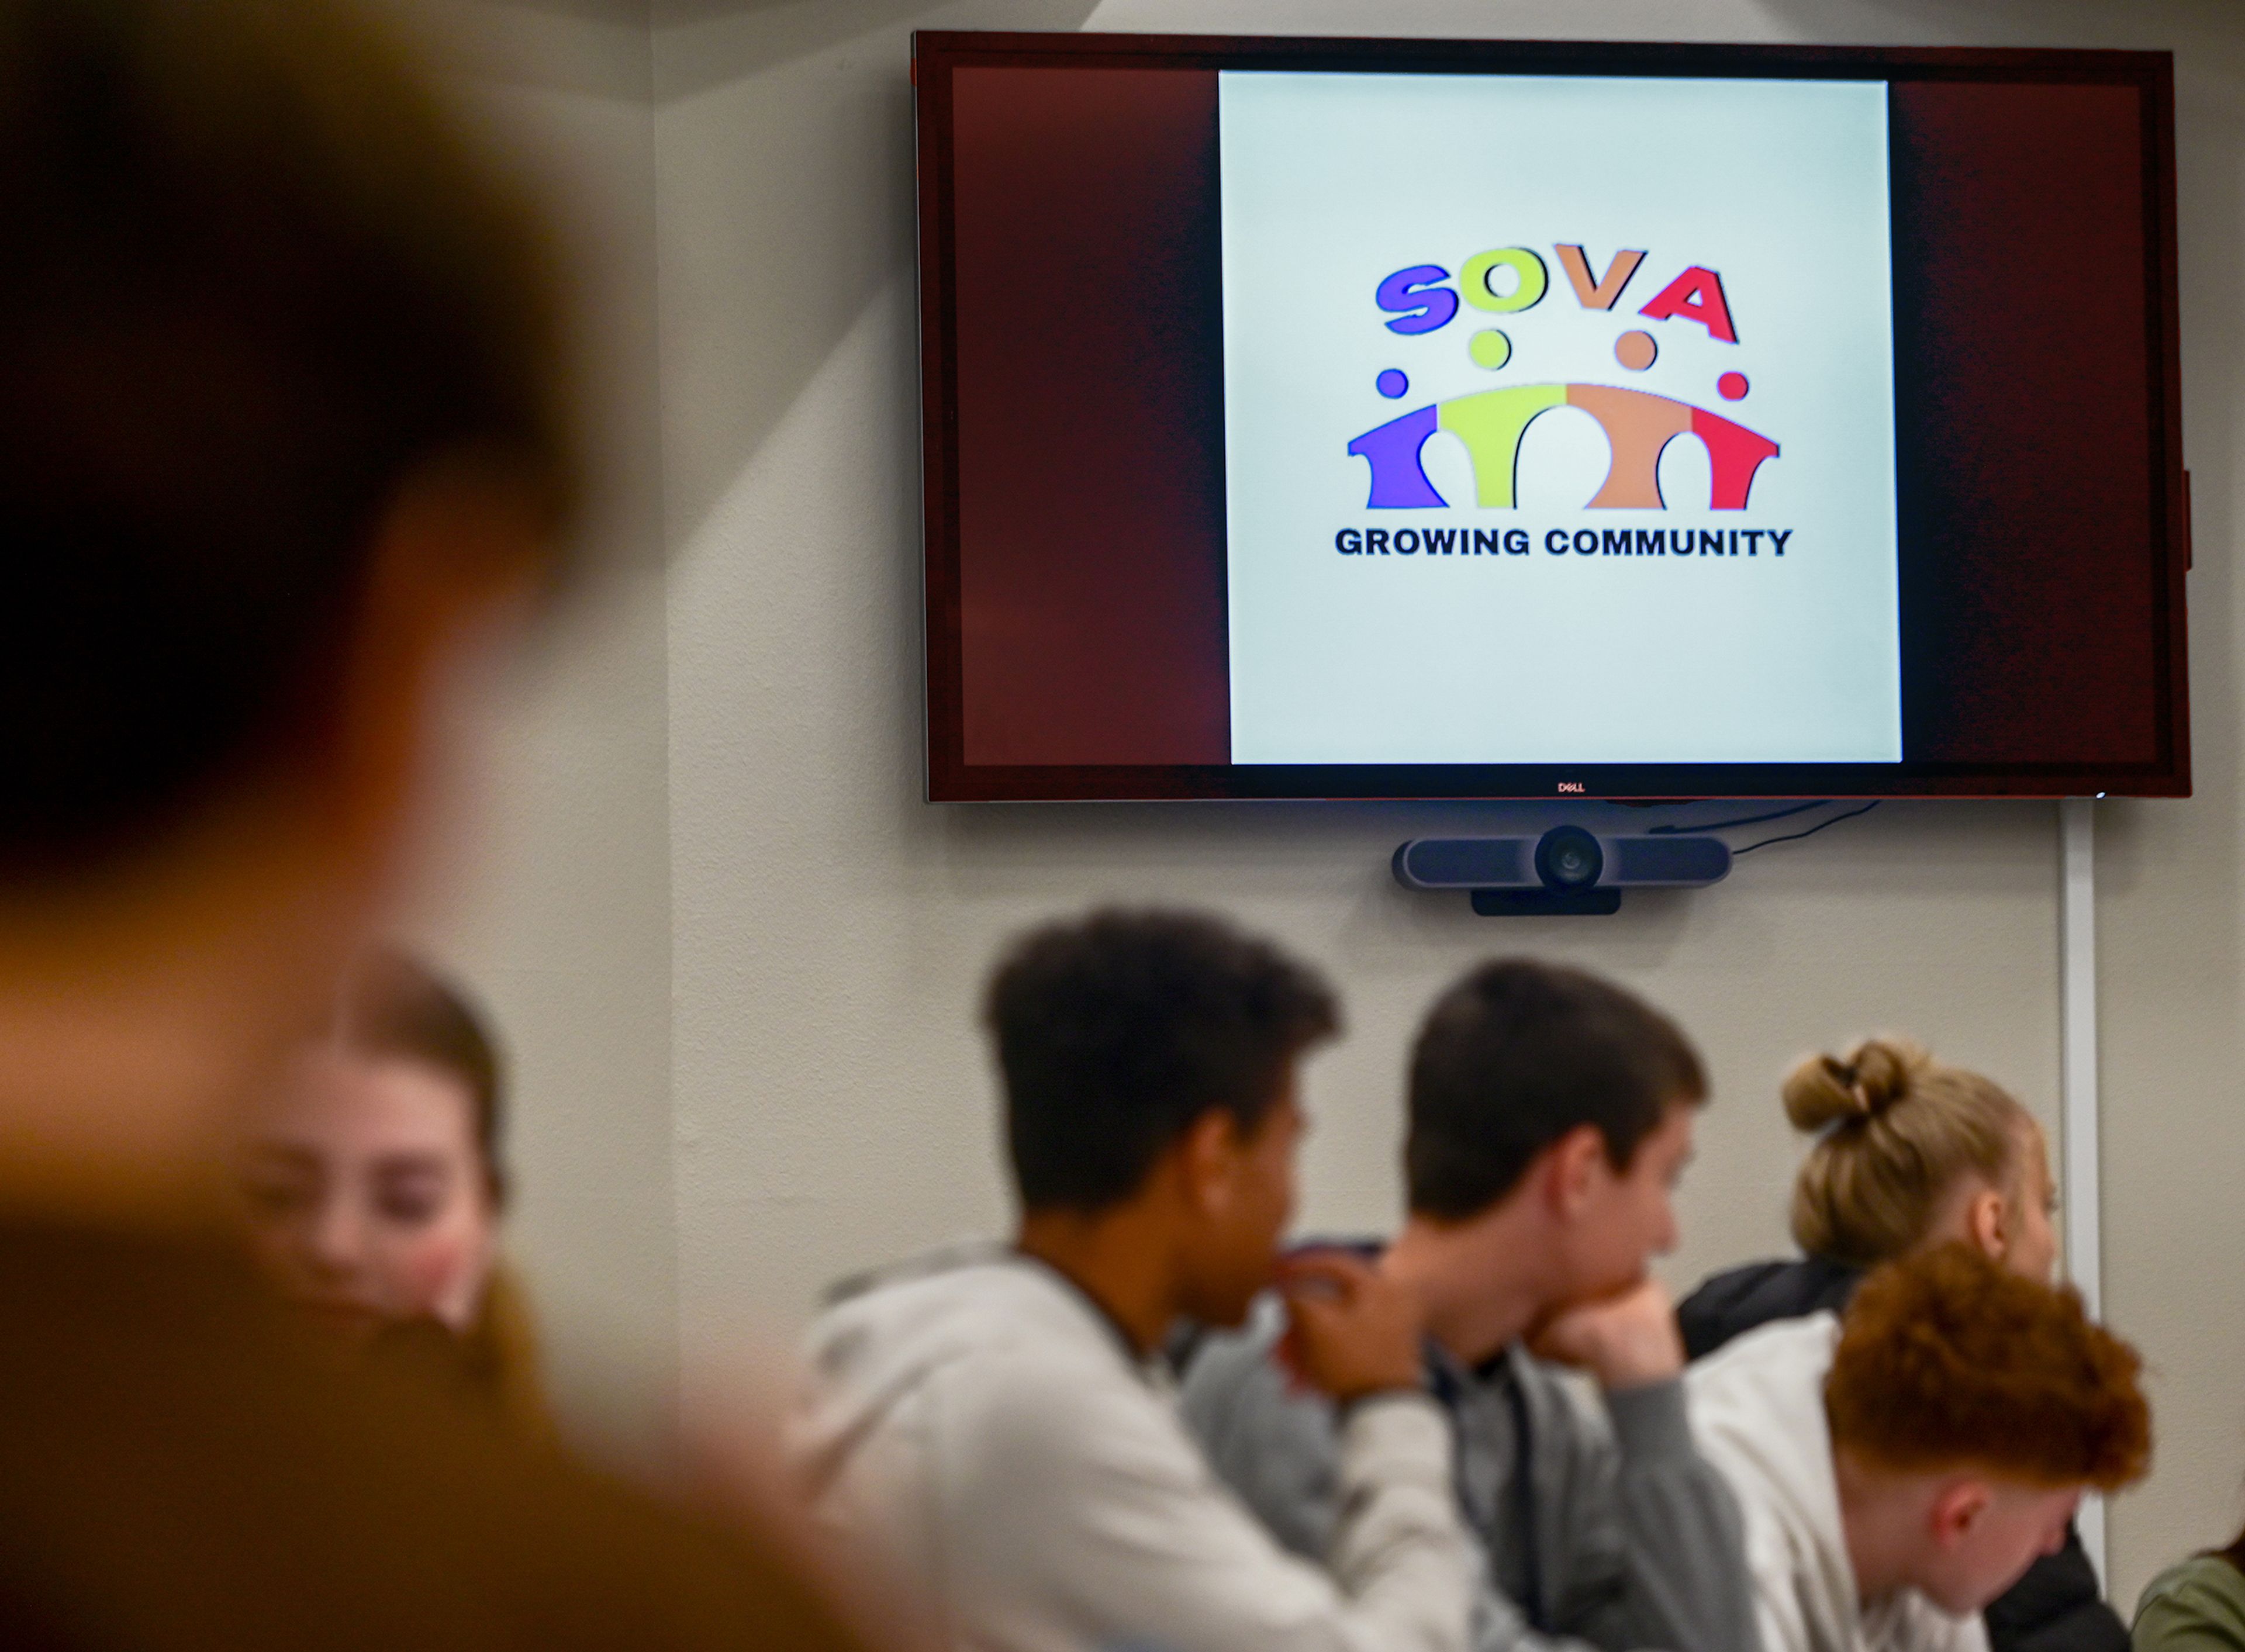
x: 1567, y: 871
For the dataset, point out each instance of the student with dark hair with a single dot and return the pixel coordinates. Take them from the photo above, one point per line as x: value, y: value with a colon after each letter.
x: 1551, y: 1113
x: 1000, y: 1419
x: 1899, y: 1466
x: 374, y: 1184
x: 281, y: 457
x: 1910, y: 1152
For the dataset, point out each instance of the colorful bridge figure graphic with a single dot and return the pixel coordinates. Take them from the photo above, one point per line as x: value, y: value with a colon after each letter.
x: 1491, y: 423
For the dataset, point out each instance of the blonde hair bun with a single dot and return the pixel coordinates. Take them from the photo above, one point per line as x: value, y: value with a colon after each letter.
x: 1876, y: 1176
x: 1823, y: 1090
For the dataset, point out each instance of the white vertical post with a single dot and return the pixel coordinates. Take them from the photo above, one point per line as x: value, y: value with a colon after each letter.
x: 2079, y: 1181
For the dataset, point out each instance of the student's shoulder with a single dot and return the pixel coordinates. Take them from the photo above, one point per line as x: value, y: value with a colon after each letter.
x: 1728, y: 1304
x: 979, y: 1305
x: 2203, y: 1592
x: 1063, y: 1427
x: 1764, y: 1377
x: 1779, y: 1354
x: 1757, y: 1406
x: 1000, y: 1342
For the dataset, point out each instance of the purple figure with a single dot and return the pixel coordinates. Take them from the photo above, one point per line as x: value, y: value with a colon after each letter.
x: 1398, y: 482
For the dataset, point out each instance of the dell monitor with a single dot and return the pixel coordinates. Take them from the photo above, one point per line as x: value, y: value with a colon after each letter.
x: 1482, y: 419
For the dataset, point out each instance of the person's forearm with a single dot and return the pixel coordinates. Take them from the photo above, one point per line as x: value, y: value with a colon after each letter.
x: 1399, y: 1552
x: 1133, y: 1546
x: 1686, y: 1588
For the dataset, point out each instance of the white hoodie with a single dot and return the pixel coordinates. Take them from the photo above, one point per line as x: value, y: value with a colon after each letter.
x: 980, y: 1419
x: 1758, y: 1410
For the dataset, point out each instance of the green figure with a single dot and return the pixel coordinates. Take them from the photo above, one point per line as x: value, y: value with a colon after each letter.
x: 1490, y: 424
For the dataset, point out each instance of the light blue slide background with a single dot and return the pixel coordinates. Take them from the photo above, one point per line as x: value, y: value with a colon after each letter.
x: 1329, y: 182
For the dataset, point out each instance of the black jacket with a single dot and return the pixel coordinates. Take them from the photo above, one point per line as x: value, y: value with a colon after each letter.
x: 2056, y: 1607
x: 1733, y: 1302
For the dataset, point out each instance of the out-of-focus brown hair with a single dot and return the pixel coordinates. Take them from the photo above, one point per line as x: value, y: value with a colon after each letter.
x: 1948, y: 1359
x: 1900, y: 1131
x: 257, y: 277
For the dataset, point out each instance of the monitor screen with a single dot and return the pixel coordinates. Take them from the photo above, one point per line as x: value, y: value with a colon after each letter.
x: 1319, y: 418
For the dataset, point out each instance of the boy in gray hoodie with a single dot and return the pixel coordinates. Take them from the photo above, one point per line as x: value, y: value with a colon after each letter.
x: 1000, y: 1421
x: 1550, y: 1114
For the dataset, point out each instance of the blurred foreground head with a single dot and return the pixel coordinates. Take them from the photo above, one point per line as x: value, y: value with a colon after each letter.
x: 279, y: 384
x: 280, y: 457
x: 282, y: 450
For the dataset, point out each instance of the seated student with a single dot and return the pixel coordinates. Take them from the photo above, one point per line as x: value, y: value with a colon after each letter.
x: 1550, y: 1116
x: 282, y: 464
x: 2196, y: 1605
x: 375, y: 1188
x: 1000, y: 1420
x: 1911, y: 1153
x: 1900, y: 1467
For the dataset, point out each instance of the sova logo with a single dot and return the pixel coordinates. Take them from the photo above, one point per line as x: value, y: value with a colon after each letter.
x: 1638, y: 425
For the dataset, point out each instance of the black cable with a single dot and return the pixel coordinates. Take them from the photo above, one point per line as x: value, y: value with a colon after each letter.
x: 1795, y: 836
x: 1750, y: 820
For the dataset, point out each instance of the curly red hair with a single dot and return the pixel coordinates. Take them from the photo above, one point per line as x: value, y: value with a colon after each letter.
x: 1946, y: 1358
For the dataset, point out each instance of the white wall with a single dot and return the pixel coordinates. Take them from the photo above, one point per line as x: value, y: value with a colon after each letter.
x: 557, y: 910
x: 2172, y: 921
x: 822, y: 1101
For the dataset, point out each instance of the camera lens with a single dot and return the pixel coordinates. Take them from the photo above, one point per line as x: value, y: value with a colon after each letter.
x: 1569, y: 857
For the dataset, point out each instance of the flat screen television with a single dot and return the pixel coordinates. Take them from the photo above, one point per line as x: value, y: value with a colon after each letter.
x: 1510, y: 419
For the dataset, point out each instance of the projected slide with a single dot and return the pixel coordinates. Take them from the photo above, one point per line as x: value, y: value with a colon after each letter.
x: 1558, y: 420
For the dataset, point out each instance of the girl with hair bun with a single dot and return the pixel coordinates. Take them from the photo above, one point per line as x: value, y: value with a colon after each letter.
x: 1910, y: 1154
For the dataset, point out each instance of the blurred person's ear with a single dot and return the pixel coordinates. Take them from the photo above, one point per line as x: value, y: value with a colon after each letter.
x: 1210, y: 1160
x: 1987, y: 1222
x: 1569, y: 1171
x: 455, y: 559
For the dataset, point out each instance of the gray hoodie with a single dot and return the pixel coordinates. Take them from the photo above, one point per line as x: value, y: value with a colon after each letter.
x: 979, y: 1417
x: 1620, y: 1537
